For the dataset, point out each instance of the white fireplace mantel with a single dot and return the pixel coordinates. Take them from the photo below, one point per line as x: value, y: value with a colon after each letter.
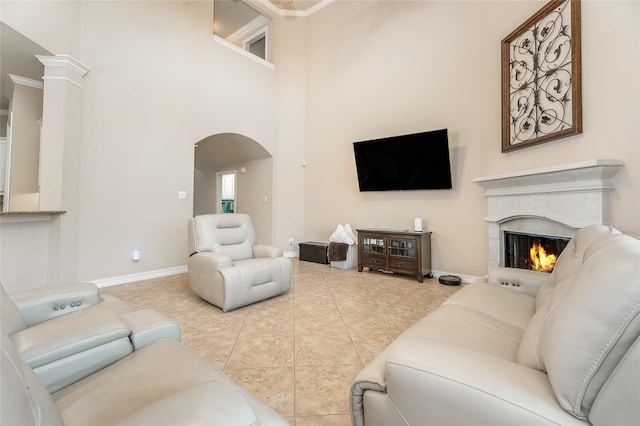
x: 569, y: 197
x: 584, y: 176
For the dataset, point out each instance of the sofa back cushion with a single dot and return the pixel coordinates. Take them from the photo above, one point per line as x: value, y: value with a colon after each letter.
x: 23, y: 398
x: 230, y: 234
x: 593, y: 322
x: 553, y: 288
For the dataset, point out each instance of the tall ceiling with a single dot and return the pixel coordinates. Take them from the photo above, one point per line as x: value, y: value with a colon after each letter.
x: 17, y: 56
x: 17, y: 53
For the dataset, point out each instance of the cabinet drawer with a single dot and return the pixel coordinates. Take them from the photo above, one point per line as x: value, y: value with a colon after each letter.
x: 378, y: 261
x: 403, y: 264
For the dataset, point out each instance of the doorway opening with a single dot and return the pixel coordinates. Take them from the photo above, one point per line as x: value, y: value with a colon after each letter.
x: 226, y: 191
x: 247, y: 170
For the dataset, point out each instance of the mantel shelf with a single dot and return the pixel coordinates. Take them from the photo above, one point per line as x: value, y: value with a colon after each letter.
x: 583, y: 176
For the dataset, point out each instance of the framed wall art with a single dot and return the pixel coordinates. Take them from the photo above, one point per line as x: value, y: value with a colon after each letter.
x: 541, y: 77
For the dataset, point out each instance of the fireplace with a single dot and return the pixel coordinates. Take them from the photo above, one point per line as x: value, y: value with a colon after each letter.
x: 532, y: 251
x: 551, y: 202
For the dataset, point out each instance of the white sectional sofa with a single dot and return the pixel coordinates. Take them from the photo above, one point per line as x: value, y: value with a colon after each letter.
x: 522, y: 348
x: 71, y: 357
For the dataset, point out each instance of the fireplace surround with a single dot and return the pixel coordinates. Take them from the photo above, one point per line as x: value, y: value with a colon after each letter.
x: 552, y: 201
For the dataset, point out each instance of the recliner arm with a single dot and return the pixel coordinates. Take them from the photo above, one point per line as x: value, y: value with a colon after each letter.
x: 261, y: 250
x: 54, y: 340
x: 522, y: 280
x: 148, y: 326
x: 208, y: 262
x: 45, y: 303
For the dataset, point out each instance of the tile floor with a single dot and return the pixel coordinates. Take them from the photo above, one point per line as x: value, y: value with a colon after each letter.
x: 298, y: 352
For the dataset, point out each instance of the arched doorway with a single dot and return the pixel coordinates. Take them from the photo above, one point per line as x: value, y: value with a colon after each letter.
x: 252, y: 166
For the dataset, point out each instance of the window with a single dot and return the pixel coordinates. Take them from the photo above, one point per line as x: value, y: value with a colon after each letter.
x: 241, y: 27
x: 257, y: 44
x: 228, y: 192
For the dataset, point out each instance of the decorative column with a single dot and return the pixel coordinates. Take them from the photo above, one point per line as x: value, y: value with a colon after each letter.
x: 61, y: 127
x: 60, y: 142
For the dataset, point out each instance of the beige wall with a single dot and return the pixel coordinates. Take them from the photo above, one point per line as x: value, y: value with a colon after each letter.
x: 152, y: 92
x: 383, y: 68
x: 25, y: 108
x: 204, y: 191
x: 24, y: 244
x: 291, y: 115
x: 255, y: 196
x: 158, y: 83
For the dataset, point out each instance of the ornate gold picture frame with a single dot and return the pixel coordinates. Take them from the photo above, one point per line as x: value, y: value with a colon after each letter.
x: 541, y: 77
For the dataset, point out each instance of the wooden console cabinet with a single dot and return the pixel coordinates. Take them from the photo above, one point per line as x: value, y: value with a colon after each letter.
x: 402, y: 252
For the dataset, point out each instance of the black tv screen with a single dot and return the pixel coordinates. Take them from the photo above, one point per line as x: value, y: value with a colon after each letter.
x: 407, y: 162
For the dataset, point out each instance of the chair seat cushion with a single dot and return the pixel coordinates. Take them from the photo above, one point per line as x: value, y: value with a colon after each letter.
x: 154, y: 385
x: 252, y: 280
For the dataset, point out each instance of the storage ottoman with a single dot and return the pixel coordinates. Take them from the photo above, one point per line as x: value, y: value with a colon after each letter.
x: 314, y: 252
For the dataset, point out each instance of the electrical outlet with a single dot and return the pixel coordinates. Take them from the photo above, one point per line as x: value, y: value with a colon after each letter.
x: 290, y: 241
x: 182, y: 195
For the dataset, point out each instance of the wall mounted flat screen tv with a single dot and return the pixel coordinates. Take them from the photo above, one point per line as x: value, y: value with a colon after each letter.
x: 406, y: 162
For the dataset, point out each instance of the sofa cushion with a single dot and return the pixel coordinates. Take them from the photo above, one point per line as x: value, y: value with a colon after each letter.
x: 591, y: 326
x: 465, y: 327
x: 163, y: 380
x: 193, y: 406
x: 554, y: 288
x: 500, y: 303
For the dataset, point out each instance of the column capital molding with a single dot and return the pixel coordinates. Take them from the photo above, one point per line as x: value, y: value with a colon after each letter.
x: 64, y: 61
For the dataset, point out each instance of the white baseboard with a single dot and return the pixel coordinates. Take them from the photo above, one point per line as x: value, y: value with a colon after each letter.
x: 140, y: 276
x: 290, y: 254
x: 159, y: 273
x: 463, y: 277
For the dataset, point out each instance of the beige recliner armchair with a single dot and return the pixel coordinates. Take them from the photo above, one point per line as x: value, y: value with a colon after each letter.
x: 226, y: 266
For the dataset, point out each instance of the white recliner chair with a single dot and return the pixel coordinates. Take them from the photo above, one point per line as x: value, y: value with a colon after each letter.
x: 226, y: 266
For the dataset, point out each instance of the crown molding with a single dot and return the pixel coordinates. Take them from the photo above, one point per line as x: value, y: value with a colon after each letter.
x: 64, y: 61
x: 296, y: 13
x: 15, y: 80
x: 24, y: 81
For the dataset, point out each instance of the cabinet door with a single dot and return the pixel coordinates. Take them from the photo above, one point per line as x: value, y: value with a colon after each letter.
x: 403, y: 247
x: 372, y: 249
x: 403, y: 254
x: 373, y: 245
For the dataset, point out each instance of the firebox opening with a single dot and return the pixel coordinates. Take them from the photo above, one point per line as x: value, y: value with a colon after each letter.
x: 534, y: 252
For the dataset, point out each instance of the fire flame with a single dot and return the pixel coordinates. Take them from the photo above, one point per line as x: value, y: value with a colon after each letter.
x: 540, y: 261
